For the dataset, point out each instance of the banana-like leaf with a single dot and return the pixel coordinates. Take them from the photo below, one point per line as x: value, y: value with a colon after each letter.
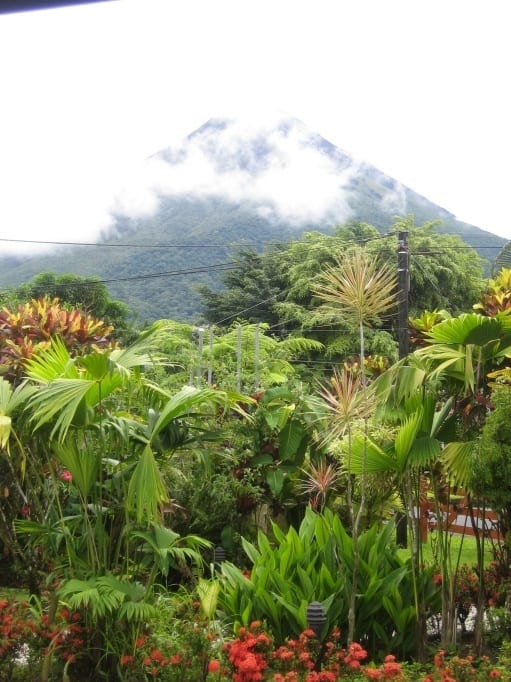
x: 290, y: 438
x: 208, y: 591
x: 275, y: 481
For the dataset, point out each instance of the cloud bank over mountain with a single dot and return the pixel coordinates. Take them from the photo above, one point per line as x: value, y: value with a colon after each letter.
x: 278, y: 167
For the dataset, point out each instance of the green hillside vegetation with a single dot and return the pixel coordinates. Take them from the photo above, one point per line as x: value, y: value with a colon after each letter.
x: 155, y: 264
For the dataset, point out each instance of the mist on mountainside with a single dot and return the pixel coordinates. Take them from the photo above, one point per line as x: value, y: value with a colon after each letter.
x: 176, y: 221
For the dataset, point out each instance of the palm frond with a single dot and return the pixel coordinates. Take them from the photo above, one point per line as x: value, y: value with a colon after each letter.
x: 367, y: 457
x: 53, y: 363
x: 467, y: 328
x: 60, y: 399
x: 458, y: 460
x: 405, y: 437
x: 12, y: 398
x: 146, y: 491
x: 82, y: 464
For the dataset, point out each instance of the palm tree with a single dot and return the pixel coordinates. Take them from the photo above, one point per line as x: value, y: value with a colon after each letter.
x: 99, y: 421
x: 450, y: 371
x: 410, y: 404
x: 359, y: 285
x: 461, y: 354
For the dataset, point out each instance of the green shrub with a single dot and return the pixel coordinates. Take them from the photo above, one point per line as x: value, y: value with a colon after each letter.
x: 315, y: 563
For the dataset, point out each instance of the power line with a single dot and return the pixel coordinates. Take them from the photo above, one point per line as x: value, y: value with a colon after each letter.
x: 107, y: 245
x: 222, y: 245
x: 219, y: 267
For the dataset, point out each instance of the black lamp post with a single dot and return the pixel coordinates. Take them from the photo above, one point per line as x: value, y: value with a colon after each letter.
x: 316, y: 619
x: 219, y: 555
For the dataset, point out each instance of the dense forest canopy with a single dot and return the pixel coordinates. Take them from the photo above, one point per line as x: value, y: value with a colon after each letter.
x: 277, y: 286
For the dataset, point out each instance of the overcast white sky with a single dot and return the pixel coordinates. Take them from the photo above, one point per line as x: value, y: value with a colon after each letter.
x: 418, y: 88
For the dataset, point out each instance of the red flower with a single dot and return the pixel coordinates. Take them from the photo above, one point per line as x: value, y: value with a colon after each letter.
x: 213, y: 666
x: 157, y: 656
x: 373, y: 674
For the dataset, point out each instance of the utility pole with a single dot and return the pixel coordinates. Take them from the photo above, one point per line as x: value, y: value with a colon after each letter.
x: 403, y: 269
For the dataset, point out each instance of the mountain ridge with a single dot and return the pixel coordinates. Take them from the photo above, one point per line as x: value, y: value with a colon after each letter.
x: 229, y: 184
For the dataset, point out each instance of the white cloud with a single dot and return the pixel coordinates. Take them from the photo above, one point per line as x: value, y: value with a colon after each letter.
x: 90, y: 91
x: 270, y: 164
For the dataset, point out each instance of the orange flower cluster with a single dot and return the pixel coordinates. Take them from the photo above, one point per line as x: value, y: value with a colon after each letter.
x: 15, y: 627
x: 252, y: 658
x: 467, y: 669
x: 248, y: 653
x: 21, y: 633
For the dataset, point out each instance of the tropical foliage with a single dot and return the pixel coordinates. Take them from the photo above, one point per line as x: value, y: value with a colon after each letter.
x: 315, y: 563
x: 131, y: 470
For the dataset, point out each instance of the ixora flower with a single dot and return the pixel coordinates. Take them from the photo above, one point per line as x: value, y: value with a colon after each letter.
x: 66, y: 476
x: 213, y: 666
x: 253, y: 657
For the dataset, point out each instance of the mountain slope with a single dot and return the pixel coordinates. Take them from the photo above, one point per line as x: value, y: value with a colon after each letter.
x: 230, y: 183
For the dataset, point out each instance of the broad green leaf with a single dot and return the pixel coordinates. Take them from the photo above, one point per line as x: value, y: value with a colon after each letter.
x: 290, y: 438
x: 261, y: 460
x: 275, y: 480
x: 5, y: 431
x: 366, y: 456
x: 136, y: 612
x: 467, y: 328
x: 146, y: 490
x: 208, y: 591
x: 60, y: 400
x: 250, y: 550
x: 424, y: 451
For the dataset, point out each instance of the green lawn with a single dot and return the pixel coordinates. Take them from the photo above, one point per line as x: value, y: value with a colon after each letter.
x: 463, y: 547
